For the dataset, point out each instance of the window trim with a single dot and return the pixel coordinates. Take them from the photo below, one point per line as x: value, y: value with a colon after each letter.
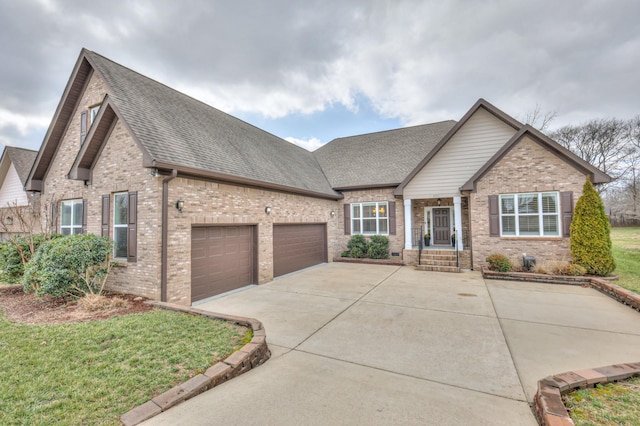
x: 125, y: 225
x: 93, y: 113
x: 71, y: 226
x: 540, y: 214
x: 360, y: 219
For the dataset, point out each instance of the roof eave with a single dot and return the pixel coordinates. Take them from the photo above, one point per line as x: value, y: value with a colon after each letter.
x: 226, y: 178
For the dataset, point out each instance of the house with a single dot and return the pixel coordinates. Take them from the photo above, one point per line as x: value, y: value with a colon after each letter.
x: 16, y: 210
x: 199, y: 202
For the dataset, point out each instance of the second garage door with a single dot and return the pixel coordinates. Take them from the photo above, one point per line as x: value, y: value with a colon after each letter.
x: 222, y: 259
x: 298, y: 246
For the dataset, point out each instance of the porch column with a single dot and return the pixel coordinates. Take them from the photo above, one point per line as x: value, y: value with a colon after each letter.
x: 407, y: 225
x: 457, y: 212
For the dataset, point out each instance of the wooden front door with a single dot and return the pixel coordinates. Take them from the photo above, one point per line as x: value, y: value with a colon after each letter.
x: 441, y: 226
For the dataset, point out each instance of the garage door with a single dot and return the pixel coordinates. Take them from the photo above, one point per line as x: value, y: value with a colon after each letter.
x: 298, y: 246
x: 222, y: 259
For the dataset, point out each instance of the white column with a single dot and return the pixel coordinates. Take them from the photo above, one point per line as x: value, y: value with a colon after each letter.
x: 457, y: 212
x: 407, y: 225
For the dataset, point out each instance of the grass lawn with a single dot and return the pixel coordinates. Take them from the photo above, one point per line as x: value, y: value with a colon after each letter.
x: 626, y: 251
x: 93, y: 372
x: 611, y: 404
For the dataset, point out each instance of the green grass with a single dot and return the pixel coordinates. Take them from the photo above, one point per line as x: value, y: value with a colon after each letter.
x: 92, y: 373
x: 611, y: 404
x: 626, y: 251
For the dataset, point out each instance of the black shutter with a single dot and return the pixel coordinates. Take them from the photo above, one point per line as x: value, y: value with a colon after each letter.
x: 105, y: 216
x: 83, y: 126
x: 494, y: 216
x: 347, y: 219
x: 54, y: 218
x: 392, y: 217
x: 566, y: 204
x: 84, y: 216
x: 132, y: 231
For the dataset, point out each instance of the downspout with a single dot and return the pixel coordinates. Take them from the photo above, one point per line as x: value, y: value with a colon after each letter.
x: 165, y: 233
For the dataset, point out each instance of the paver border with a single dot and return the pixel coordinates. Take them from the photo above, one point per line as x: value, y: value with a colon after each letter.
x: 250, y: 356
x: 548, y: 407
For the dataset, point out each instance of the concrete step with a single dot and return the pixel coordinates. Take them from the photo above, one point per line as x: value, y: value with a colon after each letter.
x: 434, y: 268
x: 431, y: 262
x: 438, y: 257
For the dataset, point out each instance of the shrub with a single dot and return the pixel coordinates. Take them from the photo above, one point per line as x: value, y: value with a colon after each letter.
x: 71, y: 265
x: 590, y: 234
x: 15, y: 253
x: 378, y: 247
x: 357, y: 246
x: 345, y: 253
x: 574, y: 269
x: 499, y: 262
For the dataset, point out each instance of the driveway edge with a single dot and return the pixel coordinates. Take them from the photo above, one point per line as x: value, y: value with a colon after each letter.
x: 250, y: 356
x: 549, y: 408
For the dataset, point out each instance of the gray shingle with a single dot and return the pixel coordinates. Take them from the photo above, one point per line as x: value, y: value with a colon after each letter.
x: 382, y: 158
x: 177, y: 129
x: 22, y: 160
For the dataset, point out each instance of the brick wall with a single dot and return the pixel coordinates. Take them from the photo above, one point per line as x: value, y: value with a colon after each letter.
x: 119, y: 168
x: 396, y: 242
x: 223, y: 204
x: 528, y: 167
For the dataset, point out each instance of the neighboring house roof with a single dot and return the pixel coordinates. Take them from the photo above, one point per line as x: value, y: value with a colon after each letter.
x: 22, y: 160
x: 381, y: 159
x: 175, y: 131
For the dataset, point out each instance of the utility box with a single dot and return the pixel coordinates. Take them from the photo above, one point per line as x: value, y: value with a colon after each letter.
x: 528, y: 262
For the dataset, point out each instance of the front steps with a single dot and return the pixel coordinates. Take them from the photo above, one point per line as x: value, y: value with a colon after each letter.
x: 438, y: 261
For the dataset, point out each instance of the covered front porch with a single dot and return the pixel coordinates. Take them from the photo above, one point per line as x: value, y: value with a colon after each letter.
x: 437, y: 231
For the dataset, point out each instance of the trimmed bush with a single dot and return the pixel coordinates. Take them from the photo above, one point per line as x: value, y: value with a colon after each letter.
x: 12, y: 263
x: 499, y: 263
x: 357, y: 246
x: 378, y: 247
x: 72, y: 265
x: 590, y: 234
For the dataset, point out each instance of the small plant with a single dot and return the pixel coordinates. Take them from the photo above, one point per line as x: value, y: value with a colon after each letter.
x: 72, y: 265
x: 499, y: 263
x: 345, y: 253
x: 357, y: 246
x: 378, y: 247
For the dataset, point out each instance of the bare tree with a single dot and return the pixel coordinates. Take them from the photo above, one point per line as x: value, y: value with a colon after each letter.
x: 537, y: 119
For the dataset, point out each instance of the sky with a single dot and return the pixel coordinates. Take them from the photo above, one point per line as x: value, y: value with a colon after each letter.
x: 311, y: 71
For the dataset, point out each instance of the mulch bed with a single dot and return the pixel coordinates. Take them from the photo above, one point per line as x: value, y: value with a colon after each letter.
x: 27, y: 308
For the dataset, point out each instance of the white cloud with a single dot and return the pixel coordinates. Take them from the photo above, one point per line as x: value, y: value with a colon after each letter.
x: 23, y: 123
x: 310, y: 144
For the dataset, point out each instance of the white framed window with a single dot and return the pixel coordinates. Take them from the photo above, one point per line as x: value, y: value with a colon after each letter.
x: 534, y: 214
x: 370, y: 218
x: 93, y: 112
x: 71, y: 217
x: 120, y: 224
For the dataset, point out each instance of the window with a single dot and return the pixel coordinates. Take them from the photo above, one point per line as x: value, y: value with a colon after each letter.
x: 370, y: 218
x: 534, y: 214
x: 71, y: 218
x: 120, y: 224
x: 93, y: 112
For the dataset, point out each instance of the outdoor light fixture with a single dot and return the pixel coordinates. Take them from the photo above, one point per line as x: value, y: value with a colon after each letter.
x: 439, y: 201
x: 153, y: 172
x: 8, y: 221
x: 332, y: 213
x: 180, y: 204
x: 267, y: 210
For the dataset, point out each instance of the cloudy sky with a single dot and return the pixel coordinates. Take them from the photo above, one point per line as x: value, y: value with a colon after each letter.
x: 310, y: 71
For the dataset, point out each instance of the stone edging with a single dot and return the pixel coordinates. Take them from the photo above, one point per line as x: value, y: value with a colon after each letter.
x: 548, y: 406
x: 614, y: 291
x: 251, y: 355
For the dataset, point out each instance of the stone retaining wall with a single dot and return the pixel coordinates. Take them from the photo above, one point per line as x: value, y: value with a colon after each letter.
x: 251, y: 355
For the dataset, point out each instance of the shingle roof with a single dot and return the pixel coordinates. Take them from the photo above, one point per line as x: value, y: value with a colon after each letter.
x: 379, y: 159
x: 179, y: 130
x: 22, y: 160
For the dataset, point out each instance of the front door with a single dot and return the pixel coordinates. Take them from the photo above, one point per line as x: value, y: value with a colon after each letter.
x: 441, y: 226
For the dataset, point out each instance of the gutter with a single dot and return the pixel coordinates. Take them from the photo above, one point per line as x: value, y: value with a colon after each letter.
x: 165, y: 233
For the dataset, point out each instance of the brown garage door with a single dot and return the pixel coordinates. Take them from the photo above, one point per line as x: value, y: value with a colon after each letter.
x: 222, y: 259
x: 298, y: 246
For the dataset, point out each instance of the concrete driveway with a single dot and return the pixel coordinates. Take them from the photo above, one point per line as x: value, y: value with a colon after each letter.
x: 363, y: 344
